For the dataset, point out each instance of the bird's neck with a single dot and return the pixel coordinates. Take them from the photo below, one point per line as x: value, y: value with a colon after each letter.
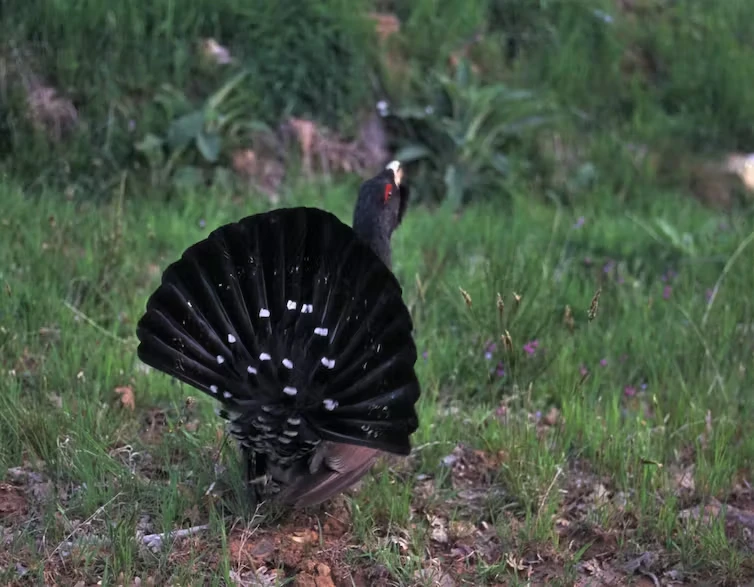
x: 376, y: 234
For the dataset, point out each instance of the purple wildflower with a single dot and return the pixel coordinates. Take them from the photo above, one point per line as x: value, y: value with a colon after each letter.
x: 490, y: 348
x: 603, y: 362
x: 579, y: 223
x: 583, y: 371
x: 669, y: 275
x: 629, y: 391
x: 609, y: 266
x: 202, y: 223
x: 666, y: 291
x: 531, y: 347
x: 499, y: 370
x: 425, y: 354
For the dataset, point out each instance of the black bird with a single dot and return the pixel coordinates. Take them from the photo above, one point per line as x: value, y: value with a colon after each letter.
x: 295, y: 323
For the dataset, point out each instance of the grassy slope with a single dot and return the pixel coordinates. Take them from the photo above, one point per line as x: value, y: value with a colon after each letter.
x: 566, y: 462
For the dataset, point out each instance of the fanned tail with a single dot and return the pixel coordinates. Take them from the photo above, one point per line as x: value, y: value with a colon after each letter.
x: 297, y: 328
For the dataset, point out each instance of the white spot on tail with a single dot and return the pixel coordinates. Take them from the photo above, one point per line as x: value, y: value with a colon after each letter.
x: 330, y: 404
x: 321, y: 331
x: 294, y: 421
x: 291, y: 433
x: 264, y: 313
x: 291, y: 305
x: 290, y: 390
x: 227, y: 395
x: 220, y: 359
x: 307, y: 309
x: 213, y: 389
x: 251, y: 370
x: 231, y: 338
x: 287, y: 363
x: 264, y: 357
x: 329, y: 363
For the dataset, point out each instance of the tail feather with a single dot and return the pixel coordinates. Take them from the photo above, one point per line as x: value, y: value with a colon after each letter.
x: 353, y: 464
x: 385, y: 357
x: 296, y: 327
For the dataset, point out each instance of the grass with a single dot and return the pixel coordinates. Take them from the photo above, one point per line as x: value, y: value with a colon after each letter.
x: 666, y: 77
x: 554, y: 448
x: 523, y: 463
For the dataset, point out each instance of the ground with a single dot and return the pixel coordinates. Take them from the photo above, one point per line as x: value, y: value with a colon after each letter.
x: 588, y: 426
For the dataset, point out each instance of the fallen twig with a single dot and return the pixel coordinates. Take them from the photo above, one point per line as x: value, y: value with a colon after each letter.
x: 155, y: 541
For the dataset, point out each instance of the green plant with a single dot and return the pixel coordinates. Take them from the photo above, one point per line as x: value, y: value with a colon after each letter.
x: 311, y: 59
x: 198, y: 135
x: 466, y: 136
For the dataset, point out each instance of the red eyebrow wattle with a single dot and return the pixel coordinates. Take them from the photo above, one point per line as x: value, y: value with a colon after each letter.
x: 388, y: 189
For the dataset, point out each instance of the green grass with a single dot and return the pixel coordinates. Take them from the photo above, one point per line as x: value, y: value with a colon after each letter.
x: 584, y: 450
x: 672, y: 396
x: 670, y: 78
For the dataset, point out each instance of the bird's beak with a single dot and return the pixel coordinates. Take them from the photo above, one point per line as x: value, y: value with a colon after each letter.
x: 395, y: 167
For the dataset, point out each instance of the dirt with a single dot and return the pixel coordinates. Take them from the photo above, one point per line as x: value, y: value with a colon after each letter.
x: 13, y: 503
x: 311, y: 548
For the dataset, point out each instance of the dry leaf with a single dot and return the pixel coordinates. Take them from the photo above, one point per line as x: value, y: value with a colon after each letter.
x: 439, y: 529
x: 127, y: 398
x: 515, y: 563
x: 316, y: 575
x: 50, y: 113
x: 306, y: 133
x: 305, y: 537
x: 683, y: 479
x: 215, y: 52
x: 434, y: 575
x: 400, y: 541
x: 462, y: 529
x: 743, y: 166
x: 262, y: 577
x: 385, y: 24
x: 552, y: 416
x: 264, y: 173
x: 244, y: 163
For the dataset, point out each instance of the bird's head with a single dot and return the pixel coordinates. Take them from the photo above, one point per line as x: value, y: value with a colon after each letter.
x: 382, y: 202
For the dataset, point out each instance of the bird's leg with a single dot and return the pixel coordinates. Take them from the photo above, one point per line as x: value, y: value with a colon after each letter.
x: 318, y: 457
x: 255, y: 483
x: 324, y: 454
